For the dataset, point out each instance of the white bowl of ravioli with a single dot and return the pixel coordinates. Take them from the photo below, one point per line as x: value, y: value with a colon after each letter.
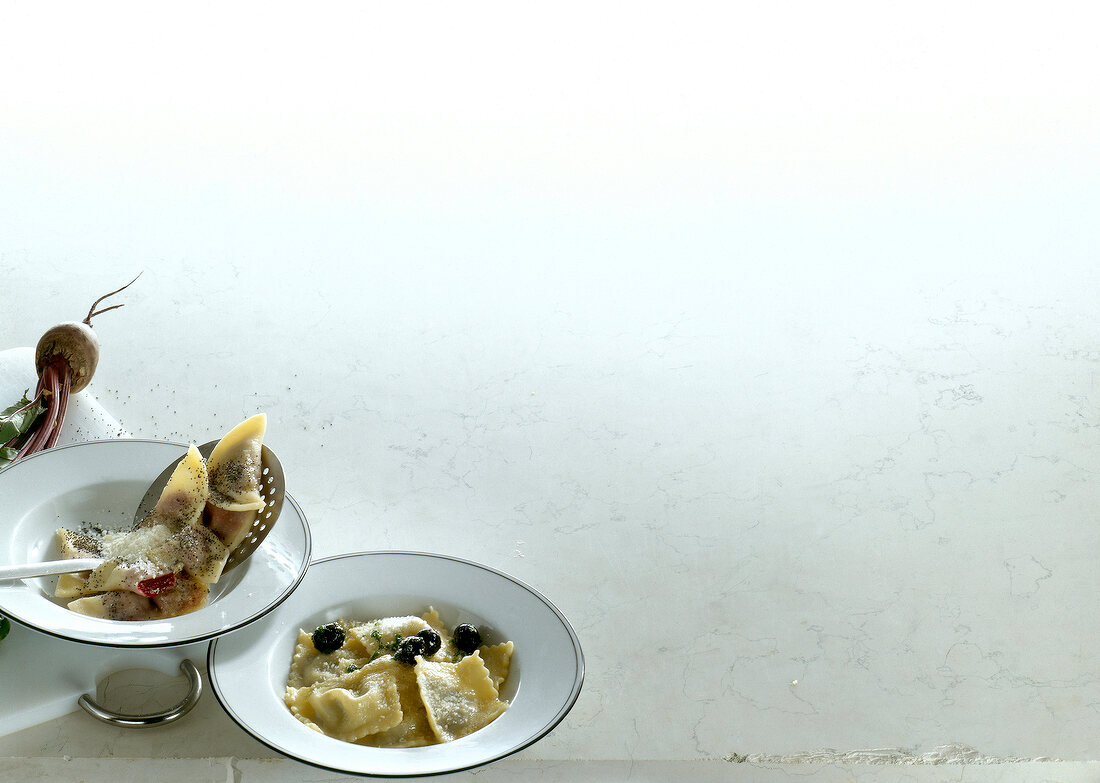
x: 100, y: 484
x: 514, y: 689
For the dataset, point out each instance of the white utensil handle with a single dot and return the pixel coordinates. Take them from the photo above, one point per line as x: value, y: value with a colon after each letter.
x: 49, y: 568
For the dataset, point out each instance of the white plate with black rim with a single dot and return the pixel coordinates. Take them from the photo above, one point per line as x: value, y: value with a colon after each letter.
x: 248, y: 669
x: 101, y: 483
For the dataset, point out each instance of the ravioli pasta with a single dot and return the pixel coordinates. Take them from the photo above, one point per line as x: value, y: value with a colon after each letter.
x: 361, y: 693
x: 165, y: 565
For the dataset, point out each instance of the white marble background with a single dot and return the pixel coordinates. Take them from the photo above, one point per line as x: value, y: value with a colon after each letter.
x: 763, y: 341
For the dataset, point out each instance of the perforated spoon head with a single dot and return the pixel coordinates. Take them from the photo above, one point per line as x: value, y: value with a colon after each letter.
x: 272, y: 488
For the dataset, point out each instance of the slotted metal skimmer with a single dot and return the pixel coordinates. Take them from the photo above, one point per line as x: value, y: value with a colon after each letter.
x: 273, y: 490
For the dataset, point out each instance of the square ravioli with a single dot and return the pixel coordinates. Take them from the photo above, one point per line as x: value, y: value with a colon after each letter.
x: 367, y: 687
x: 460, y: 697
x: 352, y: 705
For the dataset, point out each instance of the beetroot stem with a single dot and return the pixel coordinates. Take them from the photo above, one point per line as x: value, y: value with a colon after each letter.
x: 49, y: 387
x: 61, y: 395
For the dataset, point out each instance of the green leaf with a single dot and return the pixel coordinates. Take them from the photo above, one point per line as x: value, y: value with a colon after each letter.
x: 18, y: 419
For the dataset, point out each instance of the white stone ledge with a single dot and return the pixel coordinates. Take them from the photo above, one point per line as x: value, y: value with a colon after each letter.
x: 233, y: 770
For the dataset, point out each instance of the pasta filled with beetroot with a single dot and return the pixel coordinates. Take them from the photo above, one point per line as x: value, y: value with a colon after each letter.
x: 164, y: 566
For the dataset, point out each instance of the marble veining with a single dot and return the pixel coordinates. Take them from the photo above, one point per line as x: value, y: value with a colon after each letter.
x: 766, y: 347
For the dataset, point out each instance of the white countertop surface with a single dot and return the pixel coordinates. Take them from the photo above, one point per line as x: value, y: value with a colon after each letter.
x: 764, y: 342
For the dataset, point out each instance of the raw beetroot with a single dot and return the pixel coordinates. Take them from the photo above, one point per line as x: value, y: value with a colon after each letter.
x: 65, y: 358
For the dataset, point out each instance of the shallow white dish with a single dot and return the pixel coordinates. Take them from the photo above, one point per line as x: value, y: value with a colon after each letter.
x: 248, y: 669
x: 101, y: 482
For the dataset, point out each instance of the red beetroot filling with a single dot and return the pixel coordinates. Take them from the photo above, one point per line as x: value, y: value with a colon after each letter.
x: 155, y: 585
